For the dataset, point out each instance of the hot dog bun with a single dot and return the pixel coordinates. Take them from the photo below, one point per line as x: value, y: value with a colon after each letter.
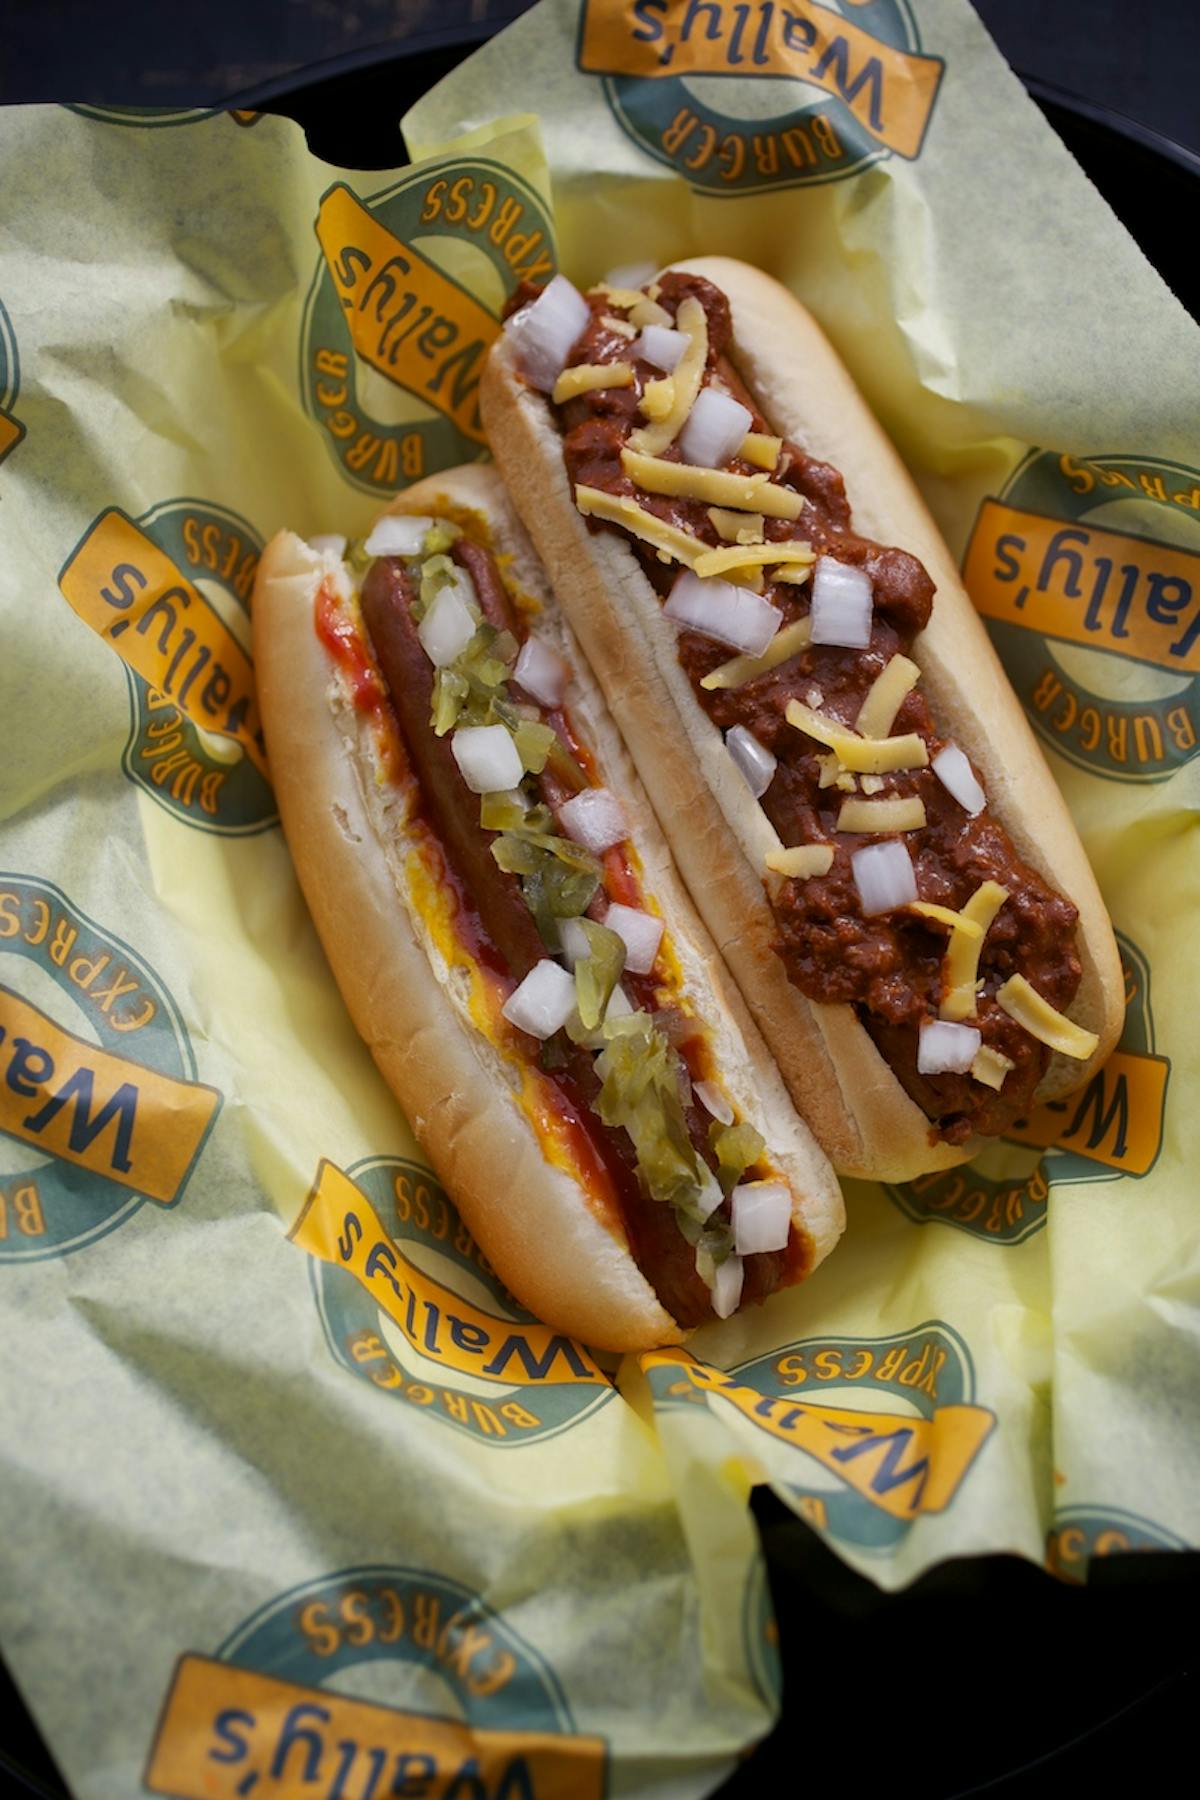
x: 857, y: 1108
x: 351, y: 836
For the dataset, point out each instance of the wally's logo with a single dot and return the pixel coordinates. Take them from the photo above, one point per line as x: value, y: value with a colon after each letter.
x: 665, y: 63
x: 385, y: 320
x: 170, y: 594
x: 1112, y: 1127
x: 1051, y: 584
x: 863, y: 1471
x: 408, y: 320
x: 1083, y: 1532
x: 11, y: 429
x: 232, y: 1724
x: 391, y: 1263
x: 112, y: 1110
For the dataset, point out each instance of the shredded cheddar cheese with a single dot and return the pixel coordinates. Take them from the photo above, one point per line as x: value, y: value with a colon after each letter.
x: 658, y: 397
x: 759, y: 448
x: 897, y: 813
x: 885, y: 695
x: 991, y: 1066
x: 866, y: 756
x: 960, y: 966
x: 790, y: 641
x: 649, y: 312
x: 945, y: 915
x: 585, y: 378
x: 688, y: 481
x: 1041, y: 1020
x: 619, y: 296
x: 653, y: 439
x: 737, y: 527
x: 617, y: 509
x: 801, y: 863
x: 741, y: 556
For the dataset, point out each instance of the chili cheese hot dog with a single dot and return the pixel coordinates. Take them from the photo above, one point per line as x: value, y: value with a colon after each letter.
x: 850, y: 788
x: 501, y: 915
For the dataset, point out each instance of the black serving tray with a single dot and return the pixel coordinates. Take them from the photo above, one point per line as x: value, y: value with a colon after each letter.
x: 987, y: 1675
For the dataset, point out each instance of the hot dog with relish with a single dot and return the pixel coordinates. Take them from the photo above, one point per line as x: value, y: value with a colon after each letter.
x: 502, y: 917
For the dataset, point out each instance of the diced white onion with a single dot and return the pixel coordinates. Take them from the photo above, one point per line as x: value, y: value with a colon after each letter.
x: 398, y: 534
x: 713, y: 1101
x: 710, y: 1196
x: 541, y: 671
x: 841, y: 604
x: 574, y: 941
x: 762, y: 1216
x: 641, y: 934
x: 958, y: 778
x: 631, y: 275
x: 944, y: 1048
x: 715, y: 429
x: 727, y: 1286
x: 661, y: 346
x: 543, y: 332
x: 487, y: 758
x: 884, y: 876
x: 594, y: 819
x: 753, y: 759
x: 448, y: 625
x: 729, y: 615
x: 331, y: 542
x: 543, y: 1002
x: 619, y: 1004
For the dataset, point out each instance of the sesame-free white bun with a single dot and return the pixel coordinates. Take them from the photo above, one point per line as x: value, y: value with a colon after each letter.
x: 350, y: 836
x: 856, y: 1107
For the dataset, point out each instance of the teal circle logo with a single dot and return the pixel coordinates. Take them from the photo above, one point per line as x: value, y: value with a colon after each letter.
x: 403, y: 307
x: 378, y: 1674
x: 740, y: 100
x: 1111, y: 1128
x: 1087, y: 573
x: 100, y: 1107
x: 432, y: 1365
x: 420, y: 1623
x: 1082, y: 1533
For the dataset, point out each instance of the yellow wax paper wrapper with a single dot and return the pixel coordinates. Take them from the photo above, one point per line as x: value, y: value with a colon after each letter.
x: 308, y: 1504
